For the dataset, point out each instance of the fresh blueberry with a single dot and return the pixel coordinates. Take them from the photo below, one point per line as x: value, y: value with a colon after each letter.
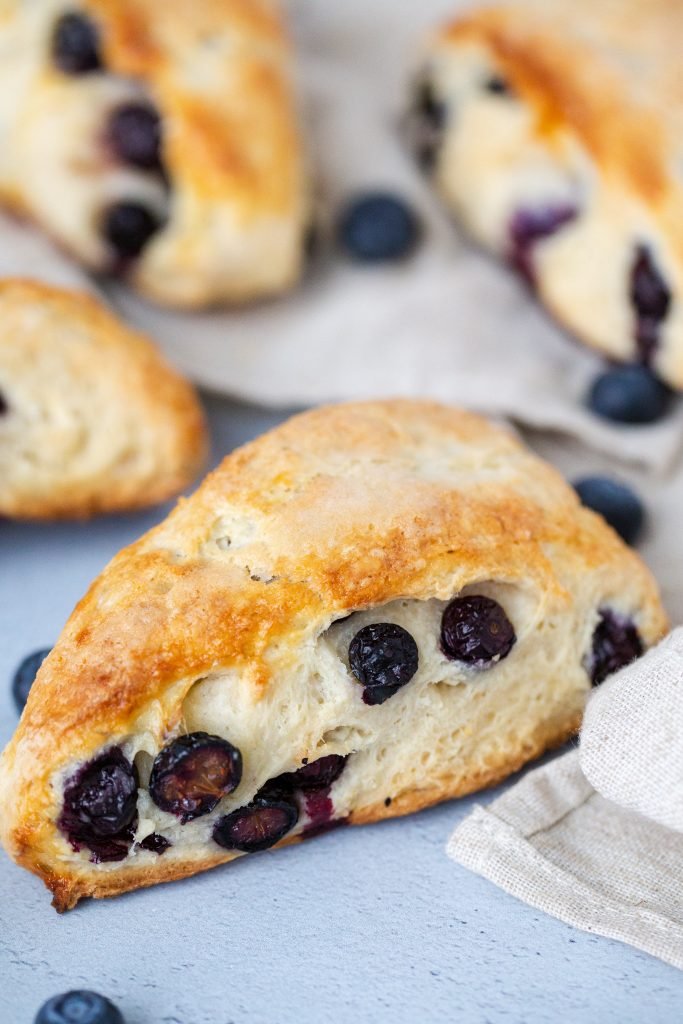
x: 100, y: 806
x: 616, y: 642
x: 629, y: 394
x: 651, y: 300
x: 257, y: 826
x: 134, y: 133
x: 383, y: 657
x: 79, y: 1007
x: 75, y: 44
x: 155, y: 843
x: 529, y: 226
x: 378, y: 228
x: 476, y: 630
x: 615, y: 502
x: 191, y: 774
x: 25, y: 675
x: 127, y: 227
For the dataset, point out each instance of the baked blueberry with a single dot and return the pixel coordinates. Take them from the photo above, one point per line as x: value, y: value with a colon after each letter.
x: 378, y: 228
x: 257, y: 826
x: 134, y: 134
x: 498, y: 86
x: 383, y: 657
x: 192, y: 773
x: 651, y: 299
x: 615, y: 502
x: 616, y: 642
x: 79, y: 1007
x: 629, y: 394
x: 100, y: 806
x: 25, y: 675
x: 429, y: 118
x: 127, y: 227
x: 320, y: 774
x: 4, y: 407
x: 529, y: 226
x: 75, y: 44
x: 155, y: 843
x: 476, y: 630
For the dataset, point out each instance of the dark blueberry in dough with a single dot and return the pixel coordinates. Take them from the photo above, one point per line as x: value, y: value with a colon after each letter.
x: 257, y: 826
x: 378, y: 228
x: 79, y: 1007
x: 476, y: 630
x: 651, y: 299
x: 75, y: 44
x: 615, y: 502
x: 134, y: 133
x: 155, y: 843
x: 429, y: 118
x: 616, y: 642
x: 529, y: 226
x: 128, y: 227
x: 498, y: 86
x: 25, y: 674
x: 99, y: 809
x: 4, y: 407
x: 629, y: 394
x: 191, y: 774
x: 383, y: 657
x: 320, y: 774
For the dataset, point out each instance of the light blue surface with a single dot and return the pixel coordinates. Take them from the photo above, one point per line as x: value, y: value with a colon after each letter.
x: 359, y: 925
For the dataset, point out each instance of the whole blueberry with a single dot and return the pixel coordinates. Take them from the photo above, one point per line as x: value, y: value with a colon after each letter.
x: 378, y: 228
x: 629, y: 394
x: 476, y: 630
x: 79, y: 1007
x: 128, y: 227
x: 25, y: 675
x: 134, y: 133
x: 616, y: 643
x: 192, y: 773
x: 615, y: 502
x: 383, y: 657
x: 75, y: 44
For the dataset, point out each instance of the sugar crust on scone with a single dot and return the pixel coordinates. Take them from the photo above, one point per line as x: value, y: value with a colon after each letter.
x: 234, y: 616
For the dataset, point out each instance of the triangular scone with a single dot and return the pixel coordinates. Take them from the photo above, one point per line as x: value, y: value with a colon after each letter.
x: 554, y: 128
x: 91, y: 417
x: 157, y: 138
x: 372, y: 608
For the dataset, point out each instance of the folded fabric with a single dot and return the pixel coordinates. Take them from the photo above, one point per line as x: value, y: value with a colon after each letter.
x: 607, y: 859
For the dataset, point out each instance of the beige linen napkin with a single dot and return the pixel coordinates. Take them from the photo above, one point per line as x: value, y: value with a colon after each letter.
x: 595, y: 837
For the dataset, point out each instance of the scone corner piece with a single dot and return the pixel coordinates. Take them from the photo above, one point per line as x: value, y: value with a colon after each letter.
x: 374, y: 607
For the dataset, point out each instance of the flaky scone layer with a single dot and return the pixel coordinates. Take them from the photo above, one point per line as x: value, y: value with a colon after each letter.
x: 234, y: 617
x: 556, y: 130
x: 92, y: 418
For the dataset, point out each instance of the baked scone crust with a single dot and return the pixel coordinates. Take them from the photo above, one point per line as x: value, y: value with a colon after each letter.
x: 220, y: 74
x: 95, y: 421
x: 591, y: 121
x: 341, y: 510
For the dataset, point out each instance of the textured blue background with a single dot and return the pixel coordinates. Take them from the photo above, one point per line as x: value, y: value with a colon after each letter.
x: 359, y: 925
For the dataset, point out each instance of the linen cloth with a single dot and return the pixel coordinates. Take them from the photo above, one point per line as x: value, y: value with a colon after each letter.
x: 595, y: 837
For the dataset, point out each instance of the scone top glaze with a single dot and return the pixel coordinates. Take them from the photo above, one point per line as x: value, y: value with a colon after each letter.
x: 157, y: 140
x: 372, y: 608
x: 554, y: 130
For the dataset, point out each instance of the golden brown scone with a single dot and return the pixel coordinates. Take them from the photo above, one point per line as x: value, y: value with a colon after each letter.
x: 231, y: 647
x: 157, y: 139
x: 92, y: 419
x: 554, y: 129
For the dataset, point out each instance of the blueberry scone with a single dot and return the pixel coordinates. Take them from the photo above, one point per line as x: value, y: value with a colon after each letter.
x: 554, y: 129
x: 373, y: 608
x: 157, y: 140
x: 91, y: 417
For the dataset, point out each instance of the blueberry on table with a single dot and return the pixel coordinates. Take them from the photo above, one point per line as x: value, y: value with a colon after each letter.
x: 134, y: 134
x: 383, y: 657
x: 629, y: 394
x: 192, y: 773
x: 75, y: 44
x: 615, y: 502
x: 25, y: 675
x: 616, y: 643
x: 257, y: 826
x: 378, y: 228
x: 79, y: 1007
x: 476, y: 630
x: 127, y: 227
